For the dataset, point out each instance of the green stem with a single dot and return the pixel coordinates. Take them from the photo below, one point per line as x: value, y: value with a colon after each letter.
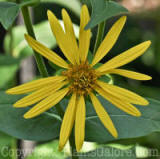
x: 73, y: 146
x: 99, y: 37
x: 60, y: 111
x: 29, y: 27
x: 11, y: 41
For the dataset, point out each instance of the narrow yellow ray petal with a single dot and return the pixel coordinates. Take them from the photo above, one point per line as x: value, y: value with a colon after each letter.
x: 44, y: 51
x: 39, y: 95
x: 61, y: 37
x: 70, y: 34
x: 129, y: 74
x: 34, y: 85
x: 109, y: 40
x: 80, y: 123
x: 68, y: 122
x: 125, y: 57
x: 84, y: 35
x: 124, y: 106
x: 46, y: 104
x: 123, y: 94
x: 103, y: 115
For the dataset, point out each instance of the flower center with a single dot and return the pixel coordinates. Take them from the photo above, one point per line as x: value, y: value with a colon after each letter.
x: 82, y: 78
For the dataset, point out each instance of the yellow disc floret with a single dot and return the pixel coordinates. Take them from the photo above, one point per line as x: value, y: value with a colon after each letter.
x: 82, y: 78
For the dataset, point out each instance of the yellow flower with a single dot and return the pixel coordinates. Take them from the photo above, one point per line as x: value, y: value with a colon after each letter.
x: 81, y: 79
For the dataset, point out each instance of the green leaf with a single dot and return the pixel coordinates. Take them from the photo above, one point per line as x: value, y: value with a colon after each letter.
x: 75, y: 5
x: 103, y: 10
x: 107, y: 78
x: 8, y: 69
x: 107, y: 152
x: 8, y: 13
x: 41, y: 128
x: 127, y: 125
x: 13, y: 123
x: 29, y: 3
x: 90, y: 57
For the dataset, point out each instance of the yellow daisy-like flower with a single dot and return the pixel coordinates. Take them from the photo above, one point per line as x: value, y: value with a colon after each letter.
x: 81, y: 79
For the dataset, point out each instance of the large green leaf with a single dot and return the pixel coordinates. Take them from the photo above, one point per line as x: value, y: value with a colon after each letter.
x: 103, y: 10
x: 12, y: 122
x: 8, y: 13
x: 8, y: 68
x: 127, y: 125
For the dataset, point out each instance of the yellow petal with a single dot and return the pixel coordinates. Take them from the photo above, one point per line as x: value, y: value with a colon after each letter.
x: 70, y: 34
x: 34, y: 85
x: 44, y: 51
x: 46, y: 104
x: 103, y: 115
x: 61, y: 37
x: 39, y: 95
x: 129, y: 74
x: 125, y: 57
x: 123, y: 94
x: 68, y: 122
x: 109, y: 40
x: 84, y: 35
x: 80, y: 123
x: 124, y: 106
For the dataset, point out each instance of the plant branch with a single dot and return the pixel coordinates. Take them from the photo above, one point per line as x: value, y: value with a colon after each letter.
x: 29, y: 27
x: 73, y: 146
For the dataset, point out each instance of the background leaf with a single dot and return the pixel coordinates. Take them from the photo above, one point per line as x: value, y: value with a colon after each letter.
x: 8, y: 69
x: 12, y: 122
x: 8, y: 13
x: 103, y: 10
x: 127, y: 125
x: 75, y: 5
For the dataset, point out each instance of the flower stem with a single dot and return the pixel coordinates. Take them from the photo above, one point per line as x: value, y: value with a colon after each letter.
x: 29, y: 27
x: 10, y: 31
x: 99, y: 37
x: 73, y: 146
x: 59, y: 110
